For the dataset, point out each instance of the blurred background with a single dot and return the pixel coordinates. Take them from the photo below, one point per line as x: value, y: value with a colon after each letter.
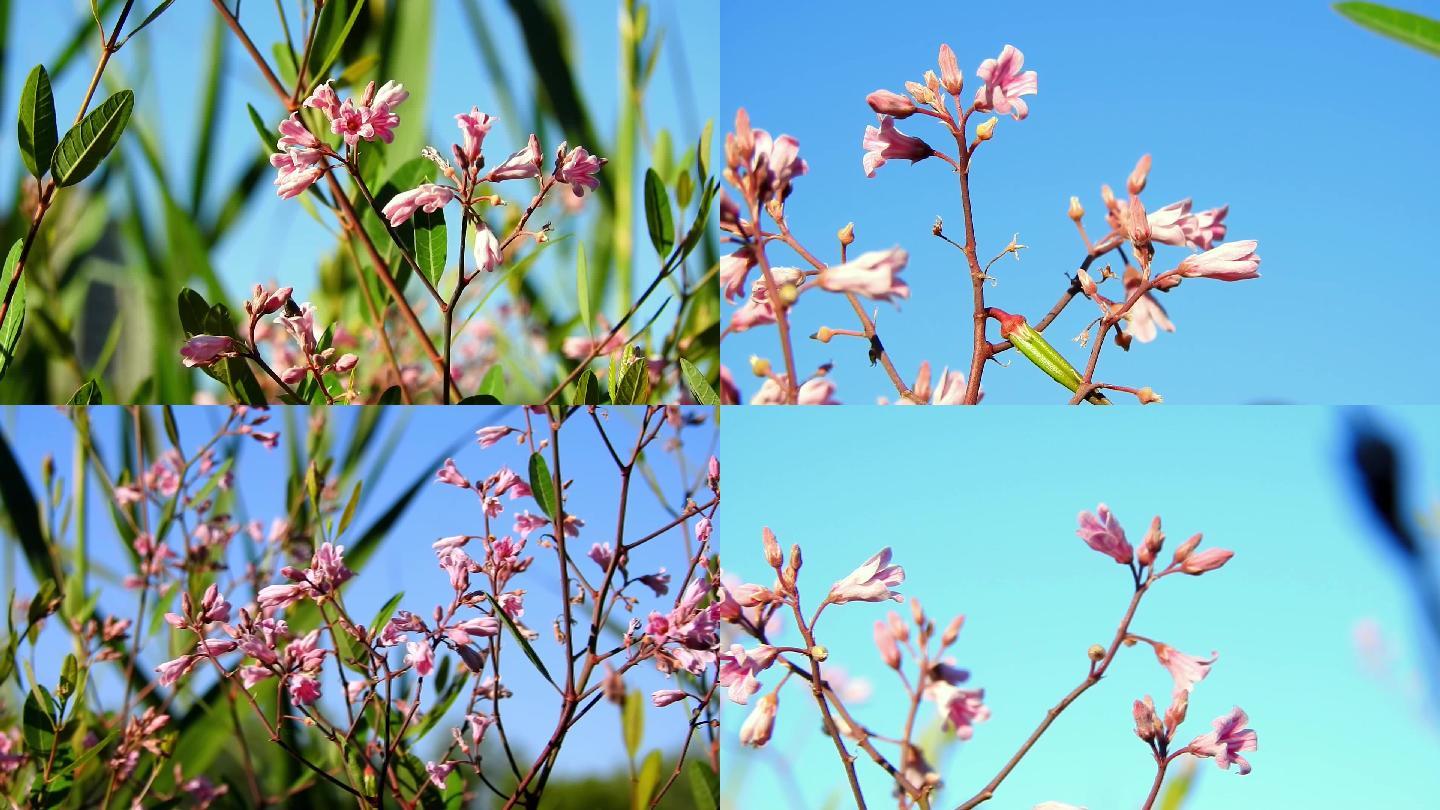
x: 395, y: 452
x: 1315, y: 132
x: 187, y: 199
x: 1324, y: 621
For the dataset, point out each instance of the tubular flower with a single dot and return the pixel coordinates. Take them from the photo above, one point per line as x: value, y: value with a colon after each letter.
x: 888, y: 143
x: 1102, y: 532
x: 1229, y: 739
x: 874, y: 274
x: 1232, y: 261
x: 578, y: 169
x: 871, y: 582
x: 1005, y: 84
x: 428, y: 197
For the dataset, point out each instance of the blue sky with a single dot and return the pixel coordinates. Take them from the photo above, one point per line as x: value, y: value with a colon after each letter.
x: 405, y: 561
x: 1315, y: 132
x: 980, y: 510
x: 276, y: 237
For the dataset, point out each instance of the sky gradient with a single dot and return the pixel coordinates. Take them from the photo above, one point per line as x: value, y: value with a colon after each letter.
x: 980, y: 509
x: 1315, y: 132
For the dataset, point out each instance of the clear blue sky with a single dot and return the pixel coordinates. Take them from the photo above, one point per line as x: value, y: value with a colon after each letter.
x: 980, y: 509
x: 405, y: 561
x: 1319, y: 136
x: 276, y: 238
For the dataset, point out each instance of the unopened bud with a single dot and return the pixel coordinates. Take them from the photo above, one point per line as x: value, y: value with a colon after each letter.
x: 774, y: 557
x: 916, y: 611
x: 1076, y: 211
x: 921, y: 93
x: 796, y: 560
x: 950, y: 74
x: 819, y: 653
x: 1150, y: 546
x: 895, y: 105
x: 823, y: 334
x: 847, y: 234
x: 898, y: 628
x: 952, y: 632
x: 987, y: 129
x: 759, y: 366
x: 1149, y: 397
x: 1136, y: 183
x: 788, y: 294
x: 1096, y: 653
x: 1087, y: 284
x: 1186, y: 548
x: 932, y: 81
x: 1147, y: 725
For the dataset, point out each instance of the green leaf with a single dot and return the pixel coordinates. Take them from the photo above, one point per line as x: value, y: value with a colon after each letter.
x: 493, y: 383
x: 657, y: 214
x: 349, y: 513
x: 587, y: 389
x: 704, y: 785
x: 88, y: 142
x: 582, y: 289
x: 37, y: 122
x: 23, y: 512
x: 39, y: 721
x: 479, y: 399
x: 330, y: 37
x: 699, y: 387
x: 391, y: 396
x: 149, y: 18
x: 88, y: 394
x: 647, y: 781
x: 707, y: 135
x: 430, y: 243
x: 524, y: 642
x: 632, y: 721
x: 267, y: 138
x: 15, y: 316
x: 543, y: 487
x: 1414, y: 30
x: 631, y: 388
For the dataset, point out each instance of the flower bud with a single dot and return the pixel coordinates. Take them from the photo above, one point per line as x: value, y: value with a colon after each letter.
x: 1149, y: 397
x: 917, y: 612
x: 1183, y: 552
x: 898, y: 628
x: 921, y: 93
x: 1136, y: 183
x: 952, y: 632
x: 1150, y: 546
x: 1175, y: 715
x: 895, y: 105
x: 1147, y: 725
x: 1076, y: 210
x: 819, y: 653
x: 793, y: 569
x: 847, y: 234
x: 1096, y: 653
x: 758, y: 726
x: 950, y: 74
x: 933, y: 82
x: 1207, y: 560
x: 823, y: 334
x: 759, y: 366
x: 885, y: 643
x: 1087, y: 284
x: 986, y: 129
x: 773, y: 556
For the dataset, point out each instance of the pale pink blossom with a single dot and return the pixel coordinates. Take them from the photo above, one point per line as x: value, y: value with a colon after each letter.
x: 892, y: 104
x: 1229, y: 739
x: 734, y: 268
x: 450, y: 474
x: 273, y: 597
x: 577, y: 168
x: 950, y: 75
x: 777, y: 162
x: 1103, y: 532
x: 489, y: 435
x: 885, y: 643
x: 1005, y: 84
x: 888, y: 143
x: 524, y: 163
x: 487, y: 250
x: 874, y: 274
x: 759, y: 725
x: 1207, y: 560
x: 474, y: 126
x: 298, y: 171
x: 172, y: 671
x: 438, y: 773
x: 602, y: 554
x: 207, y: 350
x: 1232, y: 261
x: 293, y: 133
x: 816, y: 391
x: 1146, y: 316
x: 665, y: 697
x: 427, y: 197
x: 1187, y: 670
x: 871, y: 582
x: 420, y: 655
x: 960, y: 709
x: 324, y: 99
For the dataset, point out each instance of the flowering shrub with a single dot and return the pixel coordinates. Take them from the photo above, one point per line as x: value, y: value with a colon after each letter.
x: 764, y: 170
x: 919, y: 653
x: 246, y: 658
x: 446, y: 273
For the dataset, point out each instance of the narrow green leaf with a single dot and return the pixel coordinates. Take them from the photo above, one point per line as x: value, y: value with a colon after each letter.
x: 172, y: 430
x: 647, y: 781
x: 704, y: 785
x: 707, y: 135
x: 493, y: 383
x: 88, y: 394
x: 15, y: 316
x: 1414, y: 30
x: 632, y: 721
x: 582, y: 289
x: 149, y: 18
x: 699, y: 387
x: 630, y: 390
x: 524, y: 642
x: 542, y: 486
x: 657, y: 214
x: 587, y: 389
x: 88, y: 142
x: 349, y: 513
x: 37, y: 122
x: 267, y: 138
x: 330, y: 37
x: 430, y: 243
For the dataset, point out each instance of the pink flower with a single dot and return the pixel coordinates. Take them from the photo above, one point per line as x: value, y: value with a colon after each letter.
x: 757, y: 728
x: 390, y: 95
x: 816, y: 391
x: 488, y: 436
x: 421, y: 656
x: 1005, y: 84
x: 487, y: 250
x: 450, y: 474
x: 298, y: 170
x: 659, y: 582
x: 1227, y: 741
x: 885, y: 643
x: 293, y: 133
x: 960, y: 708
x: 1232, y: 261
x: 324, y: 99
x: 428, y: 197
x: 1175, y: 225
x: 888, y: 143
x: 874, y: 274
x: 352, y: 123
x: 473, y: 127
x: 524, y: 163
x: 1207, y: 560
x: 525, y: 523
x: 172, y: 671
x: 734, y: 268
x: 207, y: 350
x: 601, y: 553
x: 1146, y: 316
x: 1187, y: 670
x: 871, y: 582
x: 950, y: 75
x: 665, y: 697
x: 578, y: 168
x: 280, y: 596
x: 1209, y: 226
x: 439, y: 773
x: 895, y: 105
x: 1103, y: 533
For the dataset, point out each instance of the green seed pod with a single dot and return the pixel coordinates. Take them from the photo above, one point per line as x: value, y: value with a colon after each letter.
x: 1039, y: 351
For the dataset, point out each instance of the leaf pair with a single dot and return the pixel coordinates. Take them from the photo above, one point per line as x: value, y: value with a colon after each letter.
x: 79, y: 153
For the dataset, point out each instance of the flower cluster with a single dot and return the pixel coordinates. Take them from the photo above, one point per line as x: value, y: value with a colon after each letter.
x: 761, y: 170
